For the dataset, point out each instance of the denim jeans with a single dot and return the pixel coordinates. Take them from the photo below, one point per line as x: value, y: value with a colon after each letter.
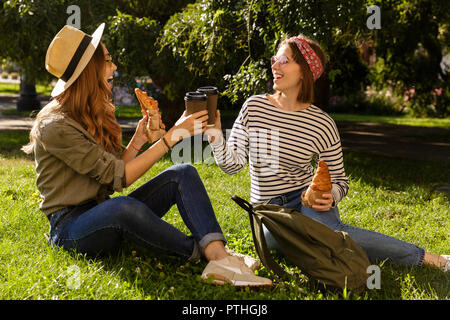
x: 378, y: 247
x: 96, y: 229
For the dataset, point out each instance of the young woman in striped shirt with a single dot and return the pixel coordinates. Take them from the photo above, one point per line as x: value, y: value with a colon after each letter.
x: 281, y: 133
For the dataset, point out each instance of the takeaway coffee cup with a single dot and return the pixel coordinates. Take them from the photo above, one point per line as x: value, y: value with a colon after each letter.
x: 212, y: 94
x: 195, y: 102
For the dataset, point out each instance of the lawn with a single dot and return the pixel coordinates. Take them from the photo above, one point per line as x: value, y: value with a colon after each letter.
x: 397, y: 120
x: 134, y: 111
x: 393, y: 196
x: 14, y: 88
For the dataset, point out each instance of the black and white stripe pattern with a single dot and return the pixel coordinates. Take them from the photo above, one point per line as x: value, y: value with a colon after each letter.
x: 280, y: 145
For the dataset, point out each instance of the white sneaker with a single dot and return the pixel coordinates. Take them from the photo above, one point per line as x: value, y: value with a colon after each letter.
x: 446, y: 267
x: 252, y: 263
x: 233, y: 270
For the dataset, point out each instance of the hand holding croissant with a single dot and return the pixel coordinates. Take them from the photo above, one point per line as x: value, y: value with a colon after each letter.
x: 318, y: 195
x: 154, y: 128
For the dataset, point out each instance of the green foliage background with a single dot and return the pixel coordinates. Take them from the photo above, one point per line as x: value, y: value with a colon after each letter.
x: 183, y: 44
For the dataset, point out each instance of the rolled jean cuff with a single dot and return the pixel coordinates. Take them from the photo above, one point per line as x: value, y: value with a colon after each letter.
x: 215, y: 236
x: 196, y: 253
x: 421, y: 256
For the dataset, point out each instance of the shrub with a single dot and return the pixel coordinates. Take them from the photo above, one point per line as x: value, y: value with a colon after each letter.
x: 373, y: 102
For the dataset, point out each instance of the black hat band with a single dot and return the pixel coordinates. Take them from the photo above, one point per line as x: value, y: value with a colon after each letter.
x: 76, y: 58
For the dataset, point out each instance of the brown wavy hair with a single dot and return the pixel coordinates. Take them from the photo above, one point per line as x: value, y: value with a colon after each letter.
x: 86, y: 101
x: 306, y: 94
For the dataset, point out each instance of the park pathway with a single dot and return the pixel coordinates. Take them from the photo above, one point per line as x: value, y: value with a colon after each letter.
x: 417, y: 143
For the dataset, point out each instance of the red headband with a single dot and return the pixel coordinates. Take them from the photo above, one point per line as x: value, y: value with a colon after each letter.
x: 314, y: 63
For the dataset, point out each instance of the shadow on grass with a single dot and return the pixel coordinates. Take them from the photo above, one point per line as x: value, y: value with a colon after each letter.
x: 395, y: 173
x: 412, y: 283
x: 166, y: 277
x: 396, y: 283
x: 11, y: 142
x: 388, y: 173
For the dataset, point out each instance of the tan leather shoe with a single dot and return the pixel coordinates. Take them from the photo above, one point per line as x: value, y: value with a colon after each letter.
x: 233, y: 270
x: 446, y: 267
x: 252, y: 263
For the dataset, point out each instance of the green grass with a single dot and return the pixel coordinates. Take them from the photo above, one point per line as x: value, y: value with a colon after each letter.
x: 13, y: 88
x: 397, y: 120
x: 134, y: 111
x: 393, y: 196
x: 131, y: 111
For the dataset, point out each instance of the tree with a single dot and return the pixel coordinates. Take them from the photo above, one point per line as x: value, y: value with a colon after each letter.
x: 28, y: 27
x: 184, y: 44
x: 133, y: 40
x: 230, y: 42
x: 410, y: 51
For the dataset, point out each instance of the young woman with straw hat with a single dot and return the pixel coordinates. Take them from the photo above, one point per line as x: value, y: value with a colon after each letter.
x: 80, y: 163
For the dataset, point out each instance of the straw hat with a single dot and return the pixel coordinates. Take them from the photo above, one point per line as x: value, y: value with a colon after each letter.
x: 69, y: 53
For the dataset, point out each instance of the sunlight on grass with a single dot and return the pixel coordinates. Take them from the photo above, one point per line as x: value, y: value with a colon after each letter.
x: 401, y: 202
x: 14, y: 88
x: 397, y: 120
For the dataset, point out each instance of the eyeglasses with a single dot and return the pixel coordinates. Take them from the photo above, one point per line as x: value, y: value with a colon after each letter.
x: 282, y: 60
x: 108, y: 59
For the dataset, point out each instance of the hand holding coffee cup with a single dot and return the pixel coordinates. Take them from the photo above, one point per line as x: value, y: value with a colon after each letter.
x: 212, y: 94
x: 214, y: 132
x: 195, y: 102
x: 187, y: 125
x: 194, y: 123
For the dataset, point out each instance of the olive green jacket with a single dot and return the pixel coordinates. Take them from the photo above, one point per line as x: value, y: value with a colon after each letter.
x: 72, y: 168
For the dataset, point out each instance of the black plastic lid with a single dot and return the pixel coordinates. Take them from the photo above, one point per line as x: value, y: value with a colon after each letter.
x: 208, y: 90
x: 195, y: 96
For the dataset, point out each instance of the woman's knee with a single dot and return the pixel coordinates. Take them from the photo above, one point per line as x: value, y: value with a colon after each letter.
x: 183, y: 173
x: 123, y: 210
x: 329, y: 218
x: 184, y: 170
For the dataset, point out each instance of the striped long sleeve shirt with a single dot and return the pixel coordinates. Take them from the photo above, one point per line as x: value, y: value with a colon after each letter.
x: 280, y: 146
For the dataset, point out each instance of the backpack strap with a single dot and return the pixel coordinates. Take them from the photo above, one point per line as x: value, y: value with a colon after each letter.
x: 264, y: 252
x: 259, y: 239
x: 244, y: 204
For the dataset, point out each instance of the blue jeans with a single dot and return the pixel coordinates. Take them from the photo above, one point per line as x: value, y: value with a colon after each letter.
x: 96, y: 229
x: 377, y: 246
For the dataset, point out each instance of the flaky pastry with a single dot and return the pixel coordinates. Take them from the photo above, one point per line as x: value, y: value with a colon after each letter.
x: 320, y: 184
x: 150, y: 105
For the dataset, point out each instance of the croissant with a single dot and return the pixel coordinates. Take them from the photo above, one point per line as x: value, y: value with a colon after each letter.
x: 321, y: 184
x: 150, y: 105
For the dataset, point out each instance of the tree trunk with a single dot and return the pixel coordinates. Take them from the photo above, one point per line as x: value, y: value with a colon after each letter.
x: 322, y: 92
x: 28, y: 100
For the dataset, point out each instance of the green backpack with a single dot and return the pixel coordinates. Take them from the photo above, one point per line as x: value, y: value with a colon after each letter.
x: 327, y: 256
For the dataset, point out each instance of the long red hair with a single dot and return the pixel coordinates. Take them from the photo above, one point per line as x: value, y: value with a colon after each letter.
x: 86, y: 101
